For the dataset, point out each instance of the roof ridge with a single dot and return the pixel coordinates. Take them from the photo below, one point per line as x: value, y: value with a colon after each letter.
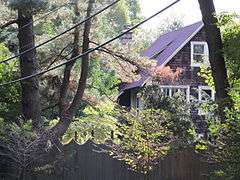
x: 180, y: 28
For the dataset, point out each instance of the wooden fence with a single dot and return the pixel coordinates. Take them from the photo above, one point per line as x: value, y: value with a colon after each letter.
x: 86, y: 163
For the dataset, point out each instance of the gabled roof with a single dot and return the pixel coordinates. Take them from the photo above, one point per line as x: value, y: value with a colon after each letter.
x: 166, y: 47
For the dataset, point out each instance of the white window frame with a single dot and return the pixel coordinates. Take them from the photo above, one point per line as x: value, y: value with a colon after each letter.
x: 200, y: 89
x: 177, y: 87
x: 206, y: 53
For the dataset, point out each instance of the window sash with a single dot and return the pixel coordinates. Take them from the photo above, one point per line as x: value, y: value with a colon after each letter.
x: 203, y: 49
x: 204, y: 55
x: 196, y: 61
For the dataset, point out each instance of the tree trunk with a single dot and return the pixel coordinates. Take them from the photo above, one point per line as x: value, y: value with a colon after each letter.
x: 56, y: 132
x: 66, y: 117
x: 63, y: 102
x: 85, y: 64
x: 28, y: 64
x: 216, y: 57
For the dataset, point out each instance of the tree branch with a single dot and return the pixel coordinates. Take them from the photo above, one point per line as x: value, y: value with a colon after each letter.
x: 68, y: 68
x: 60, y: 55
x: 84, y: 66
x: 122, y: 57
x: 118, y: 55
x: 14, y: 21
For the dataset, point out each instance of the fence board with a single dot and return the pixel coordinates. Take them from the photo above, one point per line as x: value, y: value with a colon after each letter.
x: 87, y: 164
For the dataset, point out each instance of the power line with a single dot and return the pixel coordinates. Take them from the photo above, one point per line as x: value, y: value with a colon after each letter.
x: 40, y: 18
x: 55, y: 37
x: 90, y: 50
x: 50, y: 12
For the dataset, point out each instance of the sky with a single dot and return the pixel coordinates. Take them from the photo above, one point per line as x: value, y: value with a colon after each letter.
x: 186, y: 10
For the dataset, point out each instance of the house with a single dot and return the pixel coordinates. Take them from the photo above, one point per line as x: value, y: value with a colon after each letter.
x: 185, y: 48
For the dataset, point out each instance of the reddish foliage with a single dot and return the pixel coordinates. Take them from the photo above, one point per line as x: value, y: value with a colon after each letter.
x: 166, y: 74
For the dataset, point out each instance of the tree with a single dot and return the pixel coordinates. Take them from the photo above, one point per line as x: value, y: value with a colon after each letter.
x: 216, y: 57
x: 71, y: 91
x: 149, y: 135
x: 28, y: 66
x: 145, y: 139
x: 229, y: 24
x: 126, y: 13
x: 28, y: 62
x: 17, y: 156
x: 224, y: 136
x: 68, y: 111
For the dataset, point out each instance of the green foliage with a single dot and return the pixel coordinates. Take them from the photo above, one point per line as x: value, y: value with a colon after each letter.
x: 206, y: 74
x: 10, y: 95
x: 177, y: 107
x: 21, y: 128
x: 228, y: 152
x: 201, y: 145
x: 102, y: 81
x: 170, y: 24
x: 160, y: 127
x: 167, y: 25
x: 28, y: 6
x: 224, y: 136
x: 225, y: 18
x: 134, y: 9
x: 218, y: 174
x: 231, y: 40
x: 46, y: 27
x: 15, y: 152
x: 126, y: 12
x: 145, y: 138
x: 230, y: 29
x: 96, y: 123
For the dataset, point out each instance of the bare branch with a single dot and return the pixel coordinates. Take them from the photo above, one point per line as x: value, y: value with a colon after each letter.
x: 119, y: 63
x: 14, y: 21
x: 118, y: 55
x: 59, y: 56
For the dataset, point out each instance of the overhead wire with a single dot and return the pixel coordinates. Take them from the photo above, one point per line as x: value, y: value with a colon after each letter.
x: 91, y: 50
x: 64, y: 36
x: 64, y: 32
x: 38, y: 19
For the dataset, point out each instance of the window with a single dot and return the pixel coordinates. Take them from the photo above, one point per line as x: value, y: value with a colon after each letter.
x: 205, y: 93
x: 171, y: 90
x: 199, y: 53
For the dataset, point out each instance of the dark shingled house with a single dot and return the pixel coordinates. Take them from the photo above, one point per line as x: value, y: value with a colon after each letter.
x: 185, y: 48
